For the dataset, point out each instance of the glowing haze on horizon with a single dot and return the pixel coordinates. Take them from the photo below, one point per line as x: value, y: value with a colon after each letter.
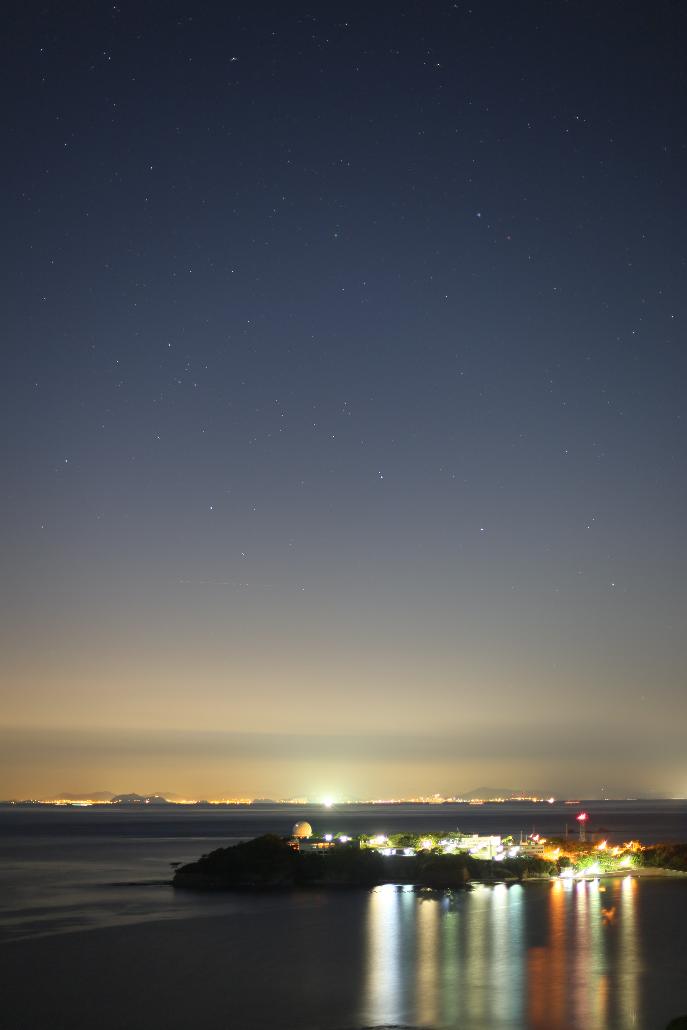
x: 343, y: 387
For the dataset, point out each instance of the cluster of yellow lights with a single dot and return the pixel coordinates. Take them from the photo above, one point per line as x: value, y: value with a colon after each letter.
x: 75, y: 804
x: 225, y: 801
x: 327, y: 801
x: 441, y: 799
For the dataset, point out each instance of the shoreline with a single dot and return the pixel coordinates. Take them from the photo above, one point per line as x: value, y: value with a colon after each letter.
x: 639, y: 873
x: 247, y: 891
x: 650, y: 873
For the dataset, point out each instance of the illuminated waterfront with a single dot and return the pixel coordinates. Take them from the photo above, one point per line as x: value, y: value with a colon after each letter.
x: 89, y: 891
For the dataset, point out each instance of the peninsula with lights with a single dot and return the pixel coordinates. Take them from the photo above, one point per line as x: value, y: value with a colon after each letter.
x: 448, y: 859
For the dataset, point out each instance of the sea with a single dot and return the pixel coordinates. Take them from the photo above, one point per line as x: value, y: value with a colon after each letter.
x: 93, y: 934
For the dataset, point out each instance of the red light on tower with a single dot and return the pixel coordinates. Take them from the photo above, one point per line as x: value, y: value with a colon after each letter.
x: 582, y: 817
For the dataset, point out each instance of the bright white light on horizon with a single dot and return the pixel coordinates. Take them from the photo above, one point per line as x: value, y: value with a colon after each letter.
x: 328, y: 802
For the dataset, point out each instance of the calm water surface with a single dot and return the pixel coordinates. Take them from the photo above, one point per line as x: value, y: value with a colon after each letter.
x: 593, y: 954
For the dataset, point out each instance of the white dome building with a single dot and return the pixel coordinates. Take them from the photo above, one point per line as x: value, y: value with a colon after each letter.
x: 301, y: 831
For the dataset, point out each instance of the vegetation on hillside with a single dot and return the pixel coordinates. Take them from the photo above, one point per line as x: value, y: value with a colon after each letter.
x: 269, y: 861
x: 664, y: 856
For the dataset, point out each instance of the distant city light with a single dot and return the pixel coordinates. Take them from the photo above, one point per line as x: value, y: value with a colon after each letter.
x: 328, y: 802
x: 582, y: 817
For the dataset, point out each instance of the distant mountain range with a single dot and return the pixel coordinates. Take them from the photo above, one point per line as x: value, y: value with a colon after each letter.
x: 159, y: 798
x: 483, y: 793
x: 164, y: 797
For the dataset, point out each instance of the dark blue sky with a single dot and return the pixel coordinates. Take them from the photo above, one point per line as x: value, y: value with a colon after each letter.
x: 343, y: 392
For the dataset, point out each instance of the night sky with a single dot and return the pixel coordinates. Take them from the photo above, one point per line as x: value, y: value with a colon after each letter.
x: 343, y: 379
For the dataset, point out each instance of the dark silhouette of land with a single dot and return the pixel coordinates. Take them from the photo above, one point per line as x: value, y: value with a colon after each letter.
x: 270, y: 861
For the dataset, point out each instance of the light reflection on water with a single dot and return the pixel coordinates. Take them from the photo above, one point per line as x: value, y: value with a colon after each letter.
x: 569, y: 958
x: 427, y: 964
x: 630, y: 965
